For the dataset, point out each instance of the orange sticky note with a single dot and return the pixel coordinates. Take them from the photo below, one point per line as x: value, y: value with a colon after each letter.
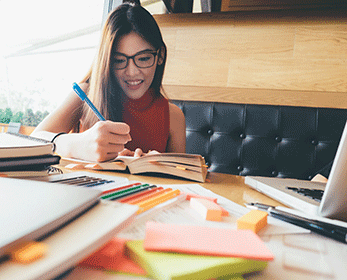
x: 113, y: 257
x: 74, y: 166
x: 28, y: 251
x: 203, y: 240
x: 254, y: 220
x: 93, y: 166
x: 206, y: 208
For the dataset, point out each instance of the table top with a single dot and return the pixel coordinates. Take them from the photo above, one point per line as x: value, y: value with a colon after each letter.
x: 297, y: 256
x: 229, y: 186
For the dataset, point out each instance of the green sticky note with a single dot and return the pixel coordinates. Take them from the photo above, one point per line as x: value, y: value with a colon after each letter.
x: 176, y: 266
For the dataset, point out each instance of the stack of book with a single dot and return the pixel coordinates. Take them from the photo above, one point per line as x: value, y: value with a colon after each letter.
x: 25, y: 156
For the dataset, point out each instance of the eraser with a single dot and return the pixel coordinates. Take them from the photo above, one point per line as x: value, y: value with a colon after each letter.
x: 206, y: 208
x: 254, y: 220
x: 28, y: 252
x: 225, y: 213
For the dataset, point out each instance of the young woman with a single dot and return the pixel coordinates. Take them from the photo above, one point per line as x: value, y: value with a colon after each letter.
x: 124, y: 83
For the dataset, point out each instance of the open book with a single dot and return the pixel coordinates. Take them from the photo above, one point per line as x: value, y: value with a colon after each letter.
x: 187, y: 166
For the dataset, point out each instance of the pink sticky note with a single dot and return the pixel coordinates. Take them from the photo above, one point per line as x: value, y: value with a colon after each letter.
x: 202, y: 240
x: 190, y: 195
x: 112, y: 257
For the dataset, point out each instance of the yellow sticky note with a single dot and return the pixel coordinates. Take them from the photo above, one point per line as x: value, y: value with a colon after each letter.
x: 28, y: 251
x: 254, y: 220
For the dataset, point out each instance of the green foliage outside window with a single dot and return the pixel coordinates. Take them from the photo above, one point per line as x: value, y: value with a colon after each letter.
x: 28, y: 117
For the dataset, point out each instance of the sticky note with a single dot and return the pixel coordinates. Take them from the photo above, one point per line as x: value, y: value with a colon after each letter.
x: 206, y: 208
x: 74, y: 166
x: 113, y: 257
x: 161, y: 265
x: 190, y: 195
x: 28, y: 252
x: 93, y: 166
x: 196, y: 240
x: 254, y: 220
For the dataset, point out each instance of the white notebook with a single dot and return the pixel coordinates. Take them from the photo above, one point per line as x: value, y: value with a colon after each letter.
x: 31, y: 209
x: 19, y: 145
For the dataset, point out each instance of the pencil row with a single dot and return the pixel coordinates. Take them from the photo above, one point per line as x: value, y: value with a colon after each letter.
x: 145, y: 196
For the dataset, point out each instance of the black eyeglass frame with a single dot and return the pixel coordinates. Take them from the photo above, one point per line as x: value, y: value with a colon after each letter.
x: 155, y: 53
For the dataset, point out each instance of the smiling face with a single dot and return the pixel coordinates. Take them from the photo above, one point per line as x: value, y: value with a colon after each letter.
x: 133, y: 80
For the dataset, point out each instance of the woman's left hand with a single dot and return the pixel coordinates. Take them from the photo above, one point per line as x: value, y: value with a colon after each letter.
x: 137, y: 153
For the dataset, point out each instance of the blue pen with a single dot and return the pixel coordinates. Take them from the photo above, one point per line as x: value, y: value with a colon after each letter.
x: 85, y: 98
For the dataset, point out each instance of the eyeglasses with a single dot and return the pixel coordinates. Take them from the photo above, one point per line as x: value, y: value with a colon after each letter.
x: 144, y: 59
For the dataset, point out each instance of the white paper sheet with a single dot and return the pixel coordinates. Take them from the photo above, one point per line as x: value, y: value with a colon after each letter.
x: 178, y: 211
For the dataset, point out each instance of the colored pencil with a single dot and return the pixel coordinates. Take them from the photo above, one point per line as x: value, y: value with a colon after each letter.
x: 149, y: 196
x: 150, y: 203
x: 119, y: 188
x: 132, y: 192
x: 113, y: 194
x: 136, y: 196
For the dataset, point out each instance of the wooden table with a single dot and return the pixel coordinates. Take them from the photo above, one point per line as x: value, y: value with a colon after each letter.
x: 229, y: 186
x: 297, y: 256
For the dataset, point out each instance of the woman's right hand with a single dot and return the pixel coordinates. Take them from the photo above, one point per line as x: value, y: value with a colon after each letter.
x: 103, y: 141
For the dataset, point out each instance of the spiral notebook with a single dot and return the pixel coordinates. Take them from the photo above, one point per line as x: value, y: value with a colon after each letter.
x: 18, y: 145
x: 20, y: 152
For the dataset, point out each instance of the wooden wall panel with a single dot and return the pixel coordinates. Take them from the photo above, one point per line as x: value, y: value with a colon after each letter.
x: 288, y: 74
x: 287, y: 52
x: 237, y: 5
x: 329, y: 41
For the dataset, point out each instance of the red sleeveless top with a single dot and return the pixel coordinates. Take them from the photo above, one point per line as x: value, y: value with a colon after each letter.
x: 149, y: 121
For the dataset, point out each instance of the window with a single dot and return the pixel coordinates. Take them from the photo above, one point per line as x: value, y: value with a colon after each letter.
x: 45, y: 47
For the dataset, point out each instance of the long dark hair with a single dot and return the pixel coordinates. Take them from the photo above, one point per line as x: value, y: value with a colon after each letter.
x: 104, y: 90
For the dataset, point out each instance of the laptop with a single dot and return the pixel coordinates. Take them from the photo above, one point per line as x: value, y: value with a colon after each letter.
x: 313, y: 198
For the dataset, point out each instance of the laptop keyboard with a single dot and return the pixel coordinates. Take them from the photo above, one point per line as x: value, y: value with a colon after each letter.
x: 315, y: 194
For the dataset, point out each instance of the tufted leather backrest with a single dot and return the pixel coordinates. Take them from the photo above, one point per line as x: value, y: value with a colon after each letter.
x: 263, y: 140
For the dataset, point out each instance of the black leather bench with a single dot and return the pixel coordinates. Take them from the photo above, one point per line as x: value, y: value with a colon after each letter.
x: 263, y: 140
